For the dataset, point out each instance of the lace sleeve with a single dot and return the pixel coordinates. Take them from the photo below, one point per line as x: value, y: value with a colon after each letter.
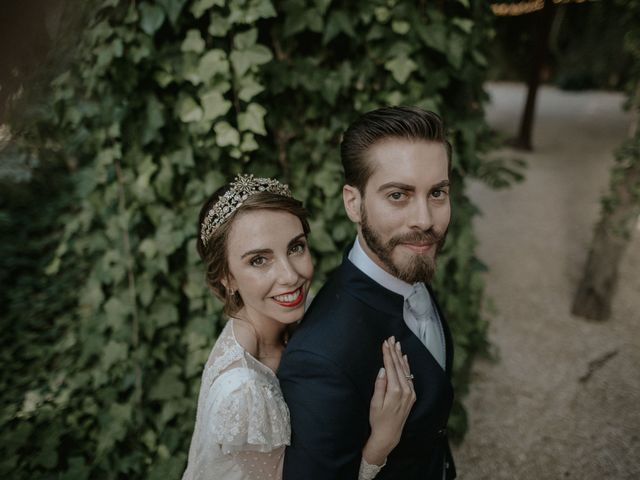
x: 245, y: 413
x: 368, y: 471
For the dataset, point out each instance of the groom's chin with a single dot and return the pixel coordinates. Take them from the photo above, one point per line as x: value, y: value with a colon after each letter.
x: 416, y: 268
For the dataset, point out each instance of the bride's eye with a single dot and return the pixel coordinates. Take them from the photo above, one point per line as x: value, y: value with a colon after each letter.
x: 298, y: 248
x: 258, y: 261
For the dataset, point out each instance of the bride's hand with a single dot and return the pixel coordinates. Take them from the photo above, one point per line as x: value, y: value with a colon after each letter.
x: 391, y: 403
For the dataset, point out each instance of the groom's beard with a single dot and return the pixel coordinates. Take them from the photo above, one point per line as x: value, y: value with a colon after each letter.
x: 420, y: 268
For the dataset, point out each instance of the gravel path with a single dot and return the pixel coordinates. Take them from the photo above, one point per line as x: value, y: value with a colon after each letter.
x: 562, y: 400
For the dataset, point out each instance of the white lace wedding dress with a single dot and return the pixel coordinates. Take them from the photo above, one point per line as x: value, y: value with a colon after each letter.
x: 242, y: 422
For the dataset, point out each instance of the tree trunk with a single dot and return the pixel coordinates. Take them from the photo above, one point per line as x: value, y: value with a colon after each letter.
x: 541, y: 49
x: 594, y: 296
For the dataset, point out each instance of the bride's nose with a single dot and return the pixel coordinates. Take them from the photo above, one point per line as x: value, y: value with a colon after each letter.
x: 287, y: 274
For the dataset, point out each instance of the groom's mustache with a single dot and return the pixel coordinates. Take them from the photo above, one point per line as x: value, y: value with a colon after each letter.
x: 430, y: 236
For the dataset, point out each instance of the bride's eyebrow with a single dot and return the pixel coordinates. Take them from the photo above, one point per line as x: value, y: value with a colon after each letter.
x: 297, y: 238
x: 262, y: 251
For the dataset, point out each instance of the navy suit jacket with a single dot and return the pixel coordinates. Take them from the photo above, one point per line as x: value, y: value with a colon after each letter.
x: 328, y: 372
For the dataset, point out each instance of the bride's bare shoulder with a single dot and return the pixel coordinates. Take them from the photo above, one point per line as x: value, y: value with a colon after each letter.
x: 246, y: 336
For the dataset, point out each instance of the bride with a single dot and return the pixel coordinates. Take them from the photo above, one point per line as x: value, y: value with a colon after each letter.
x: 253, y: 241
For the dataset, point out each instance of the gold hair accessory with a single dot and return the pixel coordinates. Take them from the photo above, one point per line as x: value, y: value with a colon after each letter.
x: 240, y: 189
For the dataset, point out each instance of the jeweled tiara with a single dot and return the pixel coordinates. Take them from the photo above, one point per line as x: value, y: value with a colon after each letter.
x: 241, y: 188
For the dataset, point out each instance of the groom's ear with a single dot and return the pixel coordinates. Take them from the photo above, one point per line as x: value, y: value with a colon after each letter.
x: 352, y: 202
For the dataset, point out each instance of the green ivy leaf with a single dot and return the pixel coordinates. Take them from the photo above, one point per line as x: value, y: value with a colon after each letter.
x: 155, y: 119
x: 463, y: 24
x: 401, y: 68
x: 193, y: 42
x: 116, y: 312
x: 219, y: 26
x: 253, y: 119
x: 213, y: 62
x: 400, y: 27
x: 382, y: 14
x: 248, y: 88
x: 249, y: 143
x: 164, y: 180
x: 339, y: 22
x: 214, y: 105
x: 258, y: 9
x: 151, y: 18
x: 113, y: 353
x: 172, y: 8
x: 164, y: 313
x: 455, y: 52
x: 434, y: 36
x: 242, y: 60
x: 226, y: 135
x: 199, y: 7
x: 168, y: 386
x: 188, y: 110
x: 320, y: 240
x: 245, y: 40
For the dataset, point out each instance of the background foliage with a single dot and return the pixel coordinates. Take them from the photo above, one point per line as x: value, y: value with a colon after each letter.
x: 586, y: 46
x: 164, y: 101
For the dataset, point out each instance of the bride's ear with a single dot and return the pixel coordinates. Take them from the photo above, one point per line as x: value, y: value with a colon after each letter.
x: 229, y: 284
x: 352, y: 202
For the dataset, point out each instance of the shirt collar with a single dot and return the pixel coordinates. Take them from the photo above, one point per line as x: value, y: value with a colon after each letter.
x: 366, y: 265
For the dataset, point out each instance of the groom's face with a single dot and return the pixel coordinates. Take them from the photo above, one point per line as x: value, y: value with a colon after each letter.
x: 404, y: 211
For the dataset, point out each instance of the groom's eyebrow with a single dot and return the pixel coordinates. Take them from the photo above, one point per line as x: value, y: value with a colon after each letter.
x: 398, y: 185
x: 410, y: 188
x: 442, y: 184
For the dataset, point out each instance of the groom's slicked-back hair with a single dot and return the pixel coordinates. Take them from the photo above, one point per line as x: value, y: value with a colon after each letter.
x: 411, y: 123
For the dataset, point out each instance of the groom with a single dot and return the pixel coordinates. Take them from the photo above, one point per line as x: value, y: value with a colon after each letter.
x: 396, y: 162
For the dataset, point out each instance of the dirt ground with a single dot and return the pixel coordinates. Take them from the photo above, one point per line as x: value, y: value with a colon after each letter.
x: 563, y: 398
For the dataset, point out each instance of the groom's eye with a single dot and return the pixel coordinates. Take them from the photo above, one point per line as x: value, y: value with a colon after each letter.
x: 397, y: 195
x: 439, y: 193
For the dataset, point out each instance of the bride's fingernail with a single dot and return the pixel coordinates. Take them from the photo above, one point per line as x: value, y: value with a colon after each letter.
x: 381, y: 373
x: 398, y: 346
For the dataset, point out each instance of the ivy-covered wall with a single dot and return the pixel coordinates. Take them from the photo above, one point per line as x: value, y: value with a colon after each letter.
x: 164, y: 101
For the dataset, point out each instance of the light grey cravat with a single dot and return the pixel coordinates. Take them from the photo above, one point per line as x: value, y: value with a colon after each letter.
x: 429, y: 330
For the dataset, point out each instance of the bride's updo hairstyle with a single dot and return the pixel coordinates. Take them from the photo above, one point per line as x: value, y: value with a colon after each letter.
x: 214, y: 226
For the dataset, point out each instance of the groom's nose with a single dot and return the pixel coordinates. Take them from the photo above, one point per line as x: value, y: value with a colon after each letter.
x: 420, y: 214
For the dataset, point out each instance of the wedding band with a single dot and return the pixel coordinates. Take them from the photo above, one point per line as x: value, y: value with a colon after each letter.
x: 409, y: 377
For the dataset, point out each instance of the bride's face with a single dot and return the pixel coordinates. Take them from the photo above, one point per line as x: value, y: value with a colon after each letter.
x: 270, y: 265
